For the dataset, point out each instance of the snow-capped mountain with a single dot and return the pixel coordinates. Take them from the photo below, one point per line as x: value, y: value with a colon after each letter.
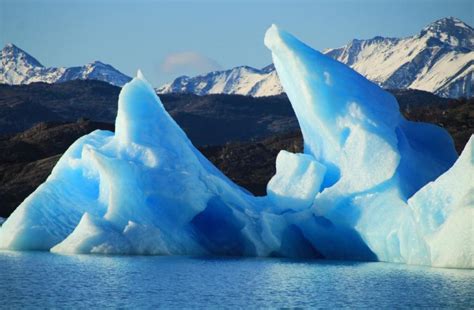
x: 440, y: 59
x: 242, y: 80
x: 18, y: 67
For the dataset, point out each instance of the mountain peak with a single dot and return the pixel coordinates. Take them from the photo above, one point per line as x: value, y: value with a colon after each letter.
x: 9, y: 46
x: 12, y: 48
x: 98, y: 63
x: 451, y: 20
x: 13, y: 54
x: 451, y: 30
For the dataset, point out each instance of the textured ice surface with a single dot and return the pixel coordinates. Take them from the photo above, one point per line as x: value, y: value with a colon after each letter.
x: 297, y: 180
x: 147, y: 190
x: 444, y: 213
x: 144, y: 190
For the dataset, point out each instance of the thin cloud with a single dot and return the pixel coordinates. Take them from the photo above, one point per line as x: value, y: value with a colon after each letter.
x: 189, y: 62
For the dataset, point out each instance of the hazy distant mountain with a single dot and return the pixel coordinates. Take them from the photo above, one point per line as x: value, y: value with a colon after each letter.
x: 440, y: 59
x: 18, y: 67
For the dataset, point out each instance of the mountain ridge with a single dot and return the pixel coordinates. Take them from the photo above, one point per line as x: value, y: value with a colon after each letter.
x: 19, y: 67
x: 439, y: 59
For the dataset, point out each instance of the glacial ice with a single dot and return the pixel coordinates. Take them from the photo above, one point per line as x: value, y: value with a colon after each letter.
x: 297, y: 181
x: 444, y: 212
x: 369, y: 186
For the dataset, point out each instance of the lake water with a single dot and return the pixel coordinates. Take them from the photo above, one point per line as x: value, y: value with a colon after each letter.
x: 41, y: 279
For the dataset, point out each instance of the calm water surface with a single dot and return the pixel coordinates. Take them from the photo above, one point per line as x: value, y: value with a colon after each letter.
x: 44, y: 280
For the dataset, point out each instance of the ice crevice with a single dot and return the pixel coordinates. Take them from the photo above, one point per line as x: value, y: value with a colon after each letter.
x: 370, y: 184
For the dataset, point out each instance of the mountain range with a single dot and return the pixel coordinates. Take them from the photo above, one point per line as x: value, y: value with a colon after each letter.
x: 439, y: 59
x: 18, y: 67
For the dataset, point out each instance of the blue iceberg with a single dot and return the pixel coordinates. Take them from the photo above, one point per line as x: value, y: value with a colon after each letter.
x: 370, y: 184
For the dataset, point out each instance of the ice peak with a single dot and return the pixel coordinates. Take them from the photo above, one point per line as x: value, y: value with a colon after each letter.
x: 323, y: 96
x: 140, y: 112
x: 271, y: 35
x: 140, y: 75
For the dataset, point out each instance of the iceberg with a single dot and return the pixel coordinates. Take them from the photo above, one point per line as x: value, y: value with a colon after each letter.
x: 375, y: 159
x: 370, y: 185
x: 143, y: 190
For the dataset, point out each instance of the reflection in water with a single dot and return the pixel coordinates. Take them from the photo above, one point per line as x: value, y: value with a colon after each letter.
x: 43, y: 279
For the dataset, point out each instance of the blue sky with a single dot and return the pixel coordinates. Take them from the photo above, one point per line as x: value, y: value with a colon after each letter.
x: 170, y: 38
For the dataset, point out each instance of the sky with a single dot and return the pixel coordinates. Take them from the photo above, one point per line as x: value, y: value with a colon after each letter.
x: 166, y: 39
